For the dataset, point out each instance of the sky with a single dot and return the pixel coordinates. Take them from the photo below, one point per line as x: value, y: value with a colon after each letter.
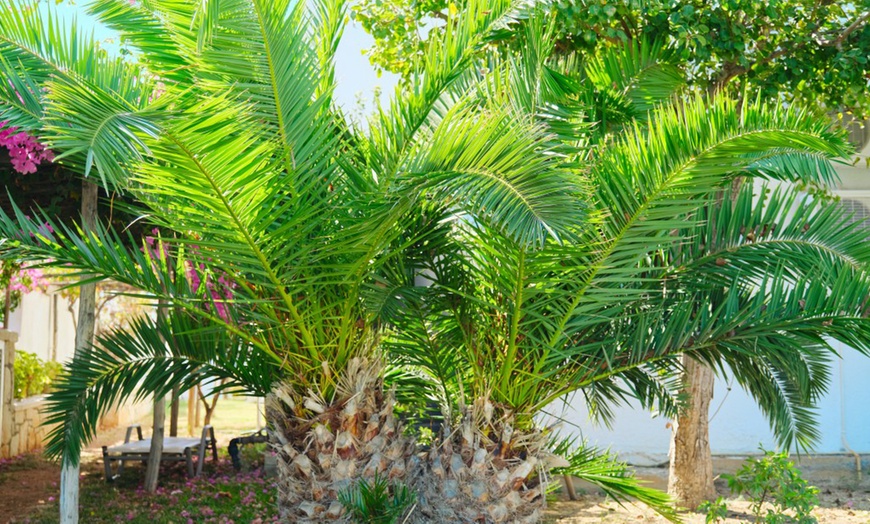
x: 355, y: 76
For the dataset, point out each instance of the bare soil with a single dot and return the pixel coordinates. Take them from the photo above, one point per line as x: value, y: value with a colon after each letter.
x: 25, y: 484
x: 844, y: 498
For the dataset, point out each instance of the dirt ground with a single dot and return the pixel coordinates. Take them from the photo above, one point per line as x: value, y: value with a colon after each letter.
x: 844, y: 498
x: 24, y: 485
x: 31, y: 481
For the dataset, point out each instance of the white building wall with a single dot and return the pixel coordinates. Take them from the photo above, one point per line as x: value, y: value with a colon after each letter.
x: 45, y: 326
x: 737, y: 426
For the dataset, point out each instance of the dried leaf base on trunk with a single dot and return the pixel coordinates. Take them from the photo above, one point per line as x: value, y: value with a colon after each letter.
x: 324, y: 447
x: 484, y: 472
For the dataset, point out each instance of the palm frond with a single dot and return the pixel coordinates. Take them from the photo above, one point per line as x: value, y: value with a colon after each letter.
x: 149, y: 358
x: 602, y: 469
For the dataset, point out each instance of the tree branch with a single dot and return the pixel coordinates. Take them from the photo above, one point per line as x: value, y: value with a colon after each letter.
x: 854, y: 26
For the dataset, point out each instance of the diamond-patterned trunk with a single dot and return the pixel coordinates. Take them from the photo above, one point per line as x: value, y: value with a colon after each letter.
x: 485, y: 471
x: 324, y: 446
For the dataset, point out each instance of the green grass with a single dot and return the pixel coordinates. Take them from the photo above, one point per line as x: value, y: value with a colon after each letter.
x: 238, y: 414
x: 221, y: 496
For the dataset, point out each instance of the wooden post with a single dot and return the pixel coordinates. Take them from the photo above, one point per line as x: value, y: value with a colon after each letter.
x: 191, y: 406
x: 152, y: 468
x: 196, y: 409
x: 69, y: 474
x: 173, y: 413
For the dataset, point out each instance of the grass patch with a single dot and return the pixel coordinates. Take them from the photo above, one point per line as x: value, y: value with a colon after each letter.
x: 221, y: 496
x: 234, y: 413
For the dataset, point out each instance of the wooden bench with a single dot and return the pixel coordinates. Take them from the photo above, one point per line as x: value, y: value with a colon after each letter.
x: 175, y: 449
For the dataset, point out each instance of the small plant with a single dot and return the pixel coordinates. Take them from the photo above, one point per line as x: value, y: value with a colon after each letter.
x: 378, y: 501
x: 252, y: 455
x: 33, y: 376
x: 774, y: 479
x: 714, y: 511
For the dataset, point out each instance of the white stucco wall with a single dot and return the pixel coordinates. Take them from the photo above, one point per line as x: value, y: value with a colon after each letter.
x: 39, y: 331
x: 737, y: 426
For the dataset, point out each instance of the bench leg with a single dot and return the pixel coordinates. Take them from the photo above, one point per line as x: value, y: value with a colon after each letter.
x: 188, y: 456
x: 107, y: 464
x: 200, y: 460
x: 214, y: 452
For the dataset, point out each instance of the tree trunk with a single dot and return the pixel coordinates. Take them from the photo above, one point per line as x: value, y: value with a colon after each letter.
x: 191, y: 406
x: 7, y: 307
x: 152, y: 469
x: 69, y: 475
x: 690, y: 481
x: 209, y: 408
x: 196, y: 409
x: 173, y: 414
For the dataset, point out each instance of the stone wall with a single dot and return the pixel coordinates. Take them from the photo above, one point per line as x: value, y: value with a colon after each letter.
x: 26, y: 432
x: 21, y: 428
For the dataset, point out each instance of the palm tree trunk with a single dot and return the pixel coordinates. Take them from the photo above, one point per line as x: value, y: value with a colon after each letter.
x: 69, y: 475
x: 324, y: 446
x: 690, y: 481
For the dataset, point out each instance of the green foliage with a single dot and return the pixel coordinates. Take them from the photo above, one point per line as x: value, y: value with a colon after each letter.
x: 33, y: 376
x: 775, y: 480
x: 714, y: 511
x: 794, y: 50
x: 601, y: 468
x: 378, y: 501
x: 565, y: 212
x: 253, y: 455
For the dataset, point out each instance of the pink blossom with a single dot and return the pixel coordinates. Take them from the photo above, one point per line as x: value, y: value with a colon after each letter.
x: 25, y: 152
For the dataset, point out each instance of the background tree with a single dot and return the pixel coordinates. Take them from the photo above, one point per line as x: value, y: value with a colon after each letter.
x: 804, y: 50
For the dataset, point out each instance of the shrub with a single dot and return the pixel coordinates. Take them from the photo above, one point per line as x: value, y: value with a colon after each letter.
x: 377, y: 502
x: 714, y: 511
x: 33, y: 376
x: 774, y: 479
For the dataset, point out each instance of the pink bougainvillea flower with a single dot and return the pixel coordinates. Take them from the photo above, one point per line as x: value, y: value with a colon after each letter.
x: 25, y: 151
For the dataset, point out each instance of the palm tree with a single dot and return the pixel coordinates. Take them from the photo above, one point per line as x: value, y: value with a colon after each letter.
x: 542, y: 237
x: 759, y: 284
